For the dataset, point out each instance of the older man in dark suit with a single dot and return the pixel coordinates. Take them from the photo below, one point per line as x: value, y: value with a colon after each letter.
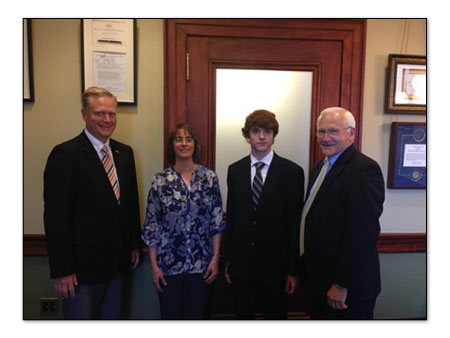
x: 91, y: 214
x: 340, y: 224
x: 265, y: 193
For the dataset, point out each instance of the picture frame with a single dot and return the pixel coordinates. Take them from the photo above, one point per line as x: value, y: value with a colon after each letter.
x: 406, y: 84
x: 109, y: 57
x: 28, y: 80
x: 407, y: 168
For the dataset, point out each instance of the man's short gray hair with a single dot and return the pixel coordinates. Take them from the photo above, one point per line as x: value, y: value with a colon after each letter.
x: 349, y: 118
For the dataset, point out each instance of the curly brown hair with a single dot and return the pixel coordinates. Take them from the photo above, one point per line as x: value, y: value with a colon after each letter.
x: 260, y: 118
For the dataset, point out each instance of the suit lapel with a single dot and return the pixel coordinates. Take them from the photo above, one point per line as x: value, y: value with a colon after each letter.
x: 94, y: 161
x: 334, y: 172
x: 246, y: 183
x: 92, y: 156
x: 314, y: 173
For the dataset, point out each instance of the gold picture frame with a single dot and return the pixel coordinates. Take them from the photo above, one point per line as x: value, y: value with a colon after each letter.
x: 407, y: 84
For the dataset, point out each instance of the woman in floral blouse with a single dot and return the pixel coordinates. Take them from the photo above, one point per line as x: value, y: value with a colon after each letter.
x: 182, y: 228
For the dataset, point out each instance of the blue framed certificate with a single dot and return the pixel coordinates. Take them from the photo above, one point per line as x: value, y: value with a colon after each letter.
x: 408, y: 156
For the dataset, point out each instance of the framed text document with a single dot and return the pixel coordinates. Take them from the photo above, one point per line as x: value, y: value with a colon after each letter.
x: 109, y: 52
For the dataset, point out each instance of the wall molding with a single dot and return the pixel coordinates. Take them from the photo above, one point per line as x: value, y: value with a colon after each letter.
x: 402, y: 243
x: 34, y: 244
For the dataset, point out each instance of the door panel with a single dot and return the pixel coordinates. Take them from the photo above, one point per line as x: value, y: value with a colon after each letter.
x: 239, y: 91
x: 207, y: 54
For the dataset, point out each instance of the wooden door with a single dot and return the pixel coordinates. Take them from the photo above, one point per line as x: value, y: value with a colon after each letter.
x: 332, y: 49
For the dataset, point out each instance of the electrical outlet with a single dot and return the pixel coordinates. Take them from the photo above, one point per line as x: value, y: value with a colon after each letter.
x: 49, y: 306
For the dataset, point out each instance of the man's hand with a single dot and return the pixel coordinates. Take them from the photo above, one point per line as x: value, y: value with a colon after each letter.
x: 157, y: 277
x: 135, y: 256
x: 336, y: 297
x: 291, y: 283
x: 213, y: 270
x: 227, y: 276
x: 65, y: 286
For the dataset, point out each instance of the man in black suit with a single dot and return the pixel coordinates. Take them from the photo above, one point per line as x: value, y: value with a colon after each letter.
x: 340, y: 224
x: 91, y: 213
x: 263, y: 215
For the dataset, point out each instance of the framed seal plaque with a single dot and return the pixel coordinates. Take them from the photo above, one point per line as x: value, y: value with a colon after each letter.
x: 408, y: 156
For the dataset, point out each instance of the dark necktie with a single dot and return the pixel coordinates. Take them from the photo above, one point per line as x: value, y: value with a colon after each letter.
x: 257, y: 183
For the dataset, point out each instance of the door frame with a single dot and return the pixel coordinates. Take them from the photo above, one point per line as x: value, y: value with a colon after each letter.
x: 351, y: 33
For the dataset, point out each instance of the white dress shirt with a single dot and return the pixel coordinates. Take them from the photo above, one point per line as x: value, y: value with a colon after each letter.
x: 266, y: 159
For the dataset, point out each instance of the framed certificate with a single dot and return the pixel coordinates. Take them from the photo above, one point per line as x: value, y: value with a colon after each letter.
x: 407, y: 84
x: 408, y: 156
x: 109, y: 55
x: 28, y: 83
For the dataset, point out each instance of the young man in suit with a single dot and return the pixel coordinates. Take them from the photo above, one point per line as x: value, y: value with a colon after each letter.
x: 91, y: 213
x: 340, y: 224
x: 265, y: 193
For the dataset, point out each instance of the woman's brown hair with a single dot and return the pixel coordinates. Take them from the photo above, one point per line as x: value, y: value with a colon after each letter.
x: 171, y: 152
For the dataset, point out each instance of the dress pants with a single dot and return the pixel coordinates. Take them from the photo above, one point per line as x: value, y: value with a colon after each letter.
x: 96, y: 301
x: 184, y: 297
x: 251, y: 296
x: 357, y: 309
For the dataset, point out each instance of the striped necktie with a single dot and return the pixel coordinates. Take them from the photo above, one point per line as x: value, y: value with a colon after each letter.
x: 257, y: 183
x: 110, y: 171
x: 312, y: 195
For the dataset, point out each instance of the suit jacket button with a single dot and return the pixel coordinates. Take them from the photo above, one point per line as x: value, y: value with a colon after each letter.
x: 253, y: 222
x: 252, y: 243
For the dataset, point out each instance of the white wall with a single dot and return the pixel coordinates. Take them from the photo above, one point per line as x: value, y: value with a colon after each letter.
x: 404, y: 210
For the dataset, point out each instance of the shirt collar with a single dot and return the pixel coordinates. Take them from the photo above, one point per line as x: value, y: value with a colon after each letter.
x: 266, y: 159
x: 98, y: 145
x: 334, y: 158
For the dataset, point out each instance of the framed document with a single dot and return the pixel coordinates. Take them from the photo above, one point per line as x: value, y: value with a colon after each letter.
x: 408, y: 156
x: 407, y: 84
x: 109, y: 57
x: 28, y: 83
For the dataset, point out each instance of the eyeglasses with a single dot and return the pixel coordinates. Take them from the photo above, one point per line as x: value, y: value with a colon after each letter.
x: 331, y: 132
x: 102, y: 114
x: 188, y: 139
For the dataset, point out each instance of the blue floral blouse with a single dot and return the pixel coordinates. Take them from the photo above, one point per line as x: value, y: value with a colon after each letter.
x: 181, y: 221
